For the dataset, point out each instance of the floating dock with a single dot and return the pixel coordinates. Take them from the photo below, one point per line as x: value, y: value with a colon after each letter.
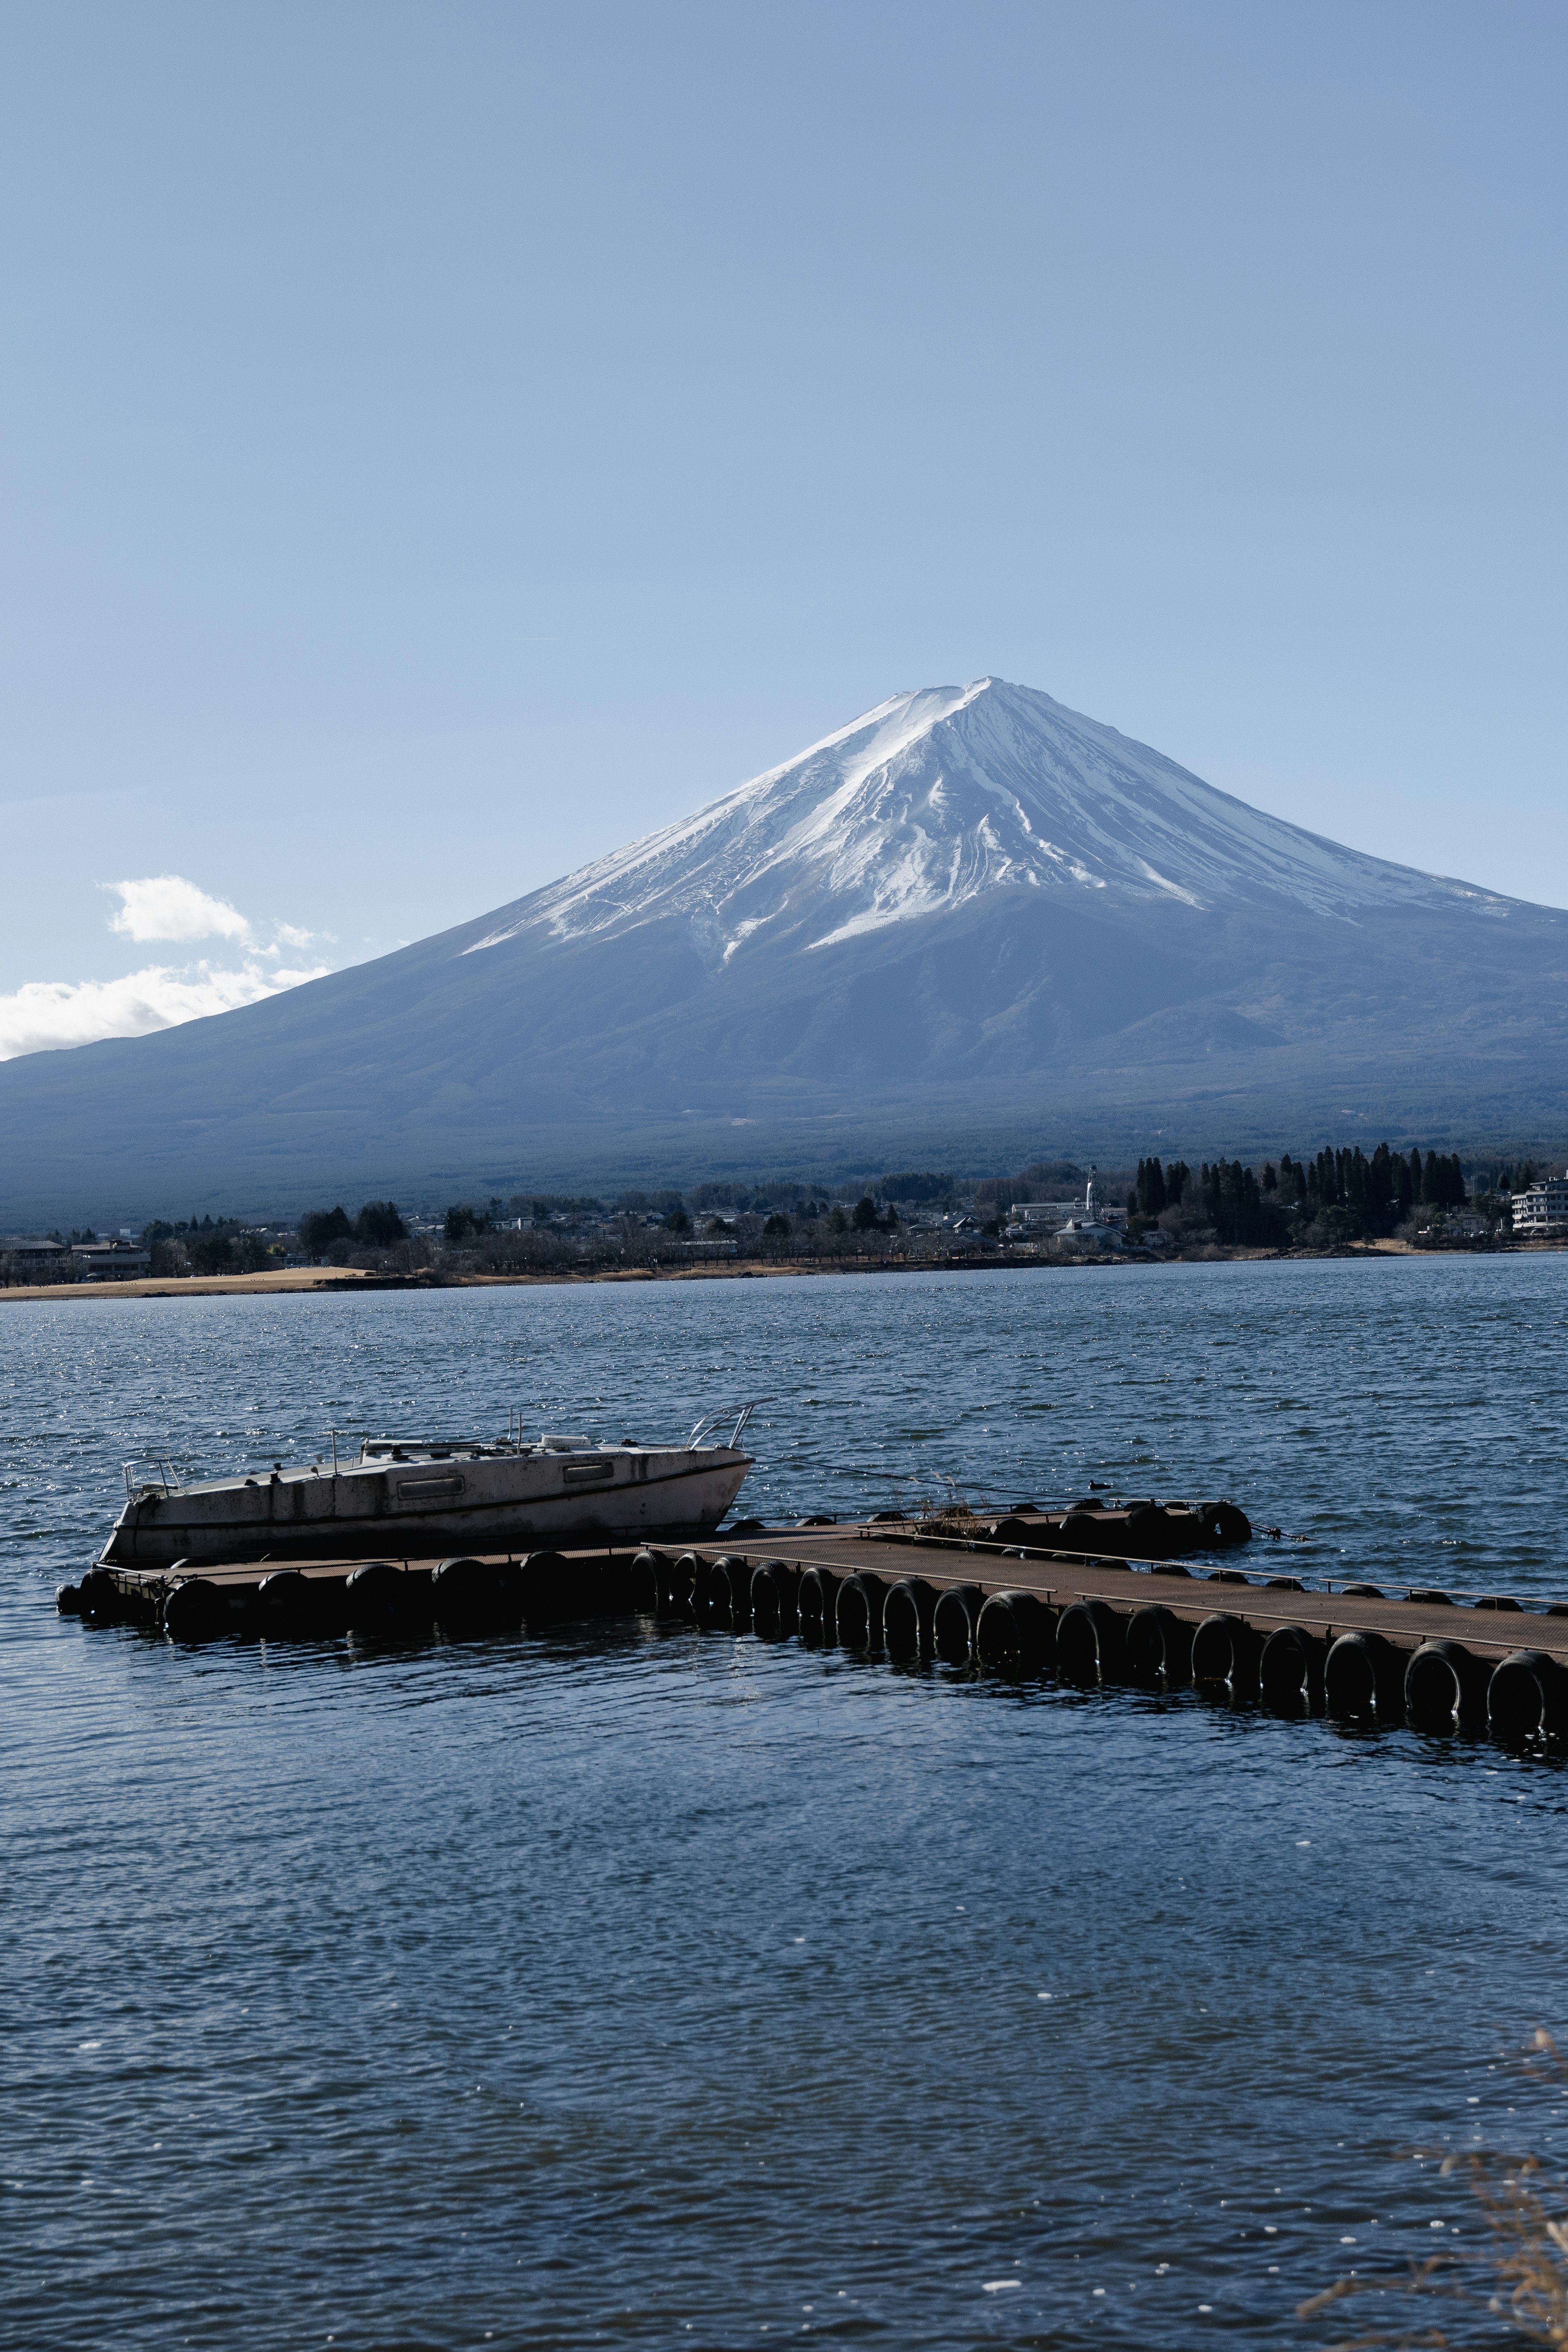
x: 993, y: 1601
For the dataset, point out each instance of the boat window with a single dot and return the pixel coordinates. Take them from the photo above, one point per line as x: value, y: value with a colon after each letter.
x: 429, y: 1490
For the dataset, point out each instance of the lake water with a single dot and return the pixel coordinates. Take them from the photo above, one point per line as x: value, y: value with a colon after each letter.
x: 639, y: 1986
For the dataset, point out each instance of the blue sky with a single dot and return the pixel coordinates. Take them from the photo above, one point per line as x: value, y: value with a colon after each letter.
x: 442, y: 443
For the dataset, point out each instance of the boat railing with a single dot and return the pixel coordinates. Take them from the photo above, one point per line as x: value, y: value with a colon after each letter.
x: 160, y: 1467
x: 712, y: 1421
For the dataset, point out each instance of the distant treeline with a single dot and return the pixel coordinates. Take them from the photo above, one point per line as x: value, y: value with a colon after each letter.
x: 1345, y: 1193
x: 377, y: 1226
x: 1339, y: 1194
x: 205, y: 1245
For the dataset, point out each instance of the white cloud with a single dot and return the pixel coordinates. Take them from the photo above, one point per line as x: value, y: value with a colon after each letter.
x: 167, y: 906
x: 49, y: 1013
x: 46, y: 1013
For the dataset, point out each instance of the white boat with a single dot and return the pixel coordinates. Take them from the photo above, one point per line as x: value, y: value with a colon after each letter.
x: 414, y: 1499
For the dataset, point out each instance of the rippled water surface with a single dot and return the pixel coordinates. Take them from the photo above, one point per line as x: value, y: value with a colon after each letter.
x: 638, y: 1985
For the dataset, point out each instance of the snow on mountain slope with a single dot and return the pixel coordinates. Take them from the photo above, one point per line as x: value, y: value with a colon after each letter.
x: 937, y: 797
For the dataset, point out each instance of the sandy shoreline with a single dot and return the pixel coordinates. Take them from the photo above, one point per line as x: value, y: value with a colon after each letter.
x: 317, y: 1279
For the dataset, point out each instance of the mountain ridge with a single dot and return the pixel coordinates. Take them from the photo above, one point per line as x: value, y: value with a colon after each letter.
x: 969, y: 922
x: 835, y: 773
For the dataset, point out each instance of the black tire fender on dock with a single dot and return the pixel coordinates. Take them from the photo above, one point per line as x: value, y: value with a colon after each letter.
x: 907, y: 1612
x: 1149, y: 1534
x: 817, y: 1599
x: 680, y: 1576
x: 857, y: 1611
x: 1526, y: 1695
x: 774, y: 1587
x: 650, y: 1583
x: 98, y: 1596
x: 1014, y: 1632
x: 462, y: 1590
x: 193, y: 1611
x: 1091, y: 1642
x: 543, y: 1591
x: 1444, y: 1688
x: 67, y: 1599
x: 1224, y: 1524
x: 1079, y: 1532
x: 376, y: 1596
x: 729, y: 1589
x: 954, y: 1622
x: 1364, y: 1675
x: 1227, y: 1649
x: 1159, y: 1643
x: 1290, y: 1668
x: 686, y: 1574
x: 645, y: 1579
x: 285, y: 1601
x: 710, y: 1601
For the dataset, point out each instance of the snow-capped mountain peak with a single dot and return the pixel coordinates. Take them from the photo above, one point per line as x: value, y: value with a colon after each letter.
x: 940, y: 796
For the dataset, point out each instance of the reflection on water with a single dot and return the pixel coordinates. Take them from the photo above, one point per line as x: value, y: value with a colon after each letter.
x: 646, y: 1985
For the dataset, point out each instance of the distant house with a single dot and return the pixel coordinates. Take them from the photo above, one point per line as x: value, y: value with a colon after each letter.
x: 107, y: 1261
x: 1081, y: 1217
x: 1094, y: 1231
x: 1041, y: 1216
x: 27, y: 1258
x: 1543, y: 1208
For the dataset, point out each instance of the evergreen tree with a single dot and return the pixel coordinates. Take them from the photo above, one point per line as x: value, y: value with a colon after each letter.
x: 1380, y: 1182
x: 1234, y: 1204
x: 321, y: 1228
x: 378, y: 1224
x: 463, y: 1222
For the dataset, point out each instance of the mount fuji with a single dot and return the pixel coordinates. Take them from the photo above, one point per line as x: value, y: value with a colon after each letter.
x: 971, y: 925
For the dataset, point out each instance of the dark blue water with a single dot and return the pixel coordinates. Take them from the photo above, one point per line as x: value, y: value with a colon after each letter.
x: 638, y: 1985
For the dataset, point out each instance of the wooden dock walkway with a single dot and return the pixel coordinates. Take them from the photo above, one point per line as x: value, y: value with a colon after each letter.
x: 1398, y: 1655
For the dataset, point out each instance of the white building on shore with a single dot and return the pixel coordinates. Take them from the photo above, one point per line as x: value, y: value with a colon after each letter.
x: 1543, y: 1209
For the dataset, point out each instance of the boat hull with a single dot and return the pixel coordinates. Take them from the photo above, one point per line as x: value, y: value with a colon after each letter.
x: 418, y: 1509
